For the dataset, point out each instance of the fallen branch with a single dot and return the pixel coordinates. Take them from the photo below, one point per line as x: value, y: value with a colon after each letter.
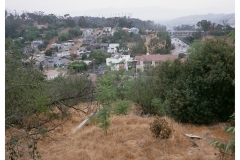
x: 84, y: 122
x: 192, y: 136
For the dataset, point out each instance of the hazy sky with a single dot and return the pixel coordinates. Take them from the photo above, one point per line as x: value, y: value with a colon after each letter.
x: 143, y: 9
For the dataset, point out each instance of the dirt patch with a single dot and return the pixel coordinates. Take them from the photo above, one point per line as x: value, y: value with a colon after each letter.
x: 53, y: 40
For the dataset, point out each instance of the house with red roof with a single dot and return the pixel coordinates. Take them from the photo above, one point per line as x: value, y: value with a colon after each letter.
x: 146, y: 61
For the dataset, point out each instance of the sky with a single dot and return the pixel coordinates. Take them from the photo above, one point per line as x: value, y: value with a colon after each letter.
x: 142, y: 9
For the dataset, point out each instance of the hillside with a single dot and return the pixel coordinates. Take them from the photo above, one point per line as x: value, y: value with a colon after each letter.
x: 193, y: 19
x: 129, y: 137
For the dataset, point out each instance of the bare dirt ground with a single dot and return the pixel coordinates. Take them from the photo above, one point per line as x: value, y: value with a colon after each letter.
x: 75, y: 39
x: 129, y: 137
x: 77, y: 44
x: 51, y: 41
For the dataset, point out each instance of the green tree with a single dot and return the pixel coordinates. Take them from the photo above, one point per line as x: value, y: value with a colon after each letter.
x: 78, y: 67
x: 75, y: 31
x: 160, y: 44
x: 41, y: 67
x: 201, y: 89
x: 104, y: 39
x: 84, y: 56
x: 195, y: 46
x: 205, y: 25
x: 121, y: 107
x: 48, y: 53
x: 138, y: 49
x: 197, y: 35
x: 64, y: 37
x: 99, y: 56
x: 29, y: 99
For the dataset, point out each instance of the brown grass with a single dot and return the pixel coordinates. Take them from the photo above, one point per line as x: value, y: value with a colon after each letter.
x: 129, y: 137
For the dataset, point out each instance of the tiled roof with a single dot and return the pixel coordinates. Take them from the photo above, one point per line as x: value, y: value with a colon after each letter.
x: 51, y: 73
x: 155, y: 57
x: 41, y: 59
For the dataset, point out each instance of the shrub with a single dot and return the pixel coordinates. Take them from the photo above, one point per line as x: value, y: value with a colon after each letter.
x: 48, y: 53
x: 121, y: 107
x: 201, y: 89
x: 181, y: 55
x: 158, y: 106
x: 224, y: 148
x: 160, y: 128
x: 101, y: 119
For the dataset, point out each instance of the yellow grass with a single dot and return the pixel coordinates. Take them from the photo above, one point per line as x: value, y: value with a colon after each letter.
x: 129, y: 137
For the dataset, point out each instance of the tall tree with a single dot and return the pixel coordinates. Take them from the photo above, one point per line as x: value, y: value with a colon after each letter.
x: 205, y: 25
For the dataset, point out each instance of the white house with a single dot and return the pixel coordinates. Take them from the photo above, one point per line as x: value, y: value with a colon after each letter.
x: 134, y: 30
x: 63, y: 54
x: 118, y: 62
x: 107, y: 29
x: 34, y: 44
x: 112, y: 48
x: 54, y: 45
x: 87, y: 32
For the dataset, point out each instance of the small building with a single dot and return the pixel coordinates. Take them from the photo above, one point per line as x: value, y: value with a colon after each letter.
x: 146, y: 61
x: 107, y: 29
x: 134, y: 30
x: 87, y: 32
x: 112, y: 48
x: 40, y: 60
x: 104, y: 46
x: 51, y: 74
x: 35, y: 44
x: 119, y: 61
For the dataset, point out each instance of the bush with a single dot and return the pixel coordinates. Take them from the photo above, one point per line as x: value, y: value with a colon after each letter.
x: 160, y: 128
x: 102, y: 118
x: 48, y: 53
x: 121, y: 107
x: 201, y: 89
x: 78, y: 66
x: 226, y: 147
x: 158, y: 107
x: 181, y: 55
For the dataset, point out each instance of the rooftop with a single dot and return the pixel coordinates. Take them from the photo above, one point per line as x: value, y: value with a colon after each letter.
x: 156, y: 57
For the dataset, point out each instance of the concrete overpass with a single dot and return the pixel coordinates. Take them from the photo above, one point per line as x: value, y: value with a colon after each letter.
x: 181, y: 33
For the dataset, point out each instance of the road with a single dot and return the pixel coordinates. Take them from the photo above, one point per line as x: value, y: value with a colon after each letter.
x: 180, y: 46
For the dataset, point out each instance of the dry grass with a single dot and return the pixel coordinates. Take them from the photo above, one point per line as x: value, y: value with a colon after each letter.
x: 129, y: 137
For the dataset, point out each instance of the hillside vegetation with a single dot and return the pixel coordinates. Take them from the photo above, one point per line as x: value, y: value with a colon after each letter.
x: 129, y: 137
x: 139, y: 114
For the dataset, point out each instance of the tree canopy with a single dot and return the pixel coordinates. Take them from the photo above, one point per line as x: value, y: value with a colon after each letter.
x: 200, y: 90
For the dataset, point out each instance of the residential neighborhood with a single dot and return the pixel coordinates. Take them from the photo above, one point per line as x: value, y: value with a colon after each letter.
x: 113, y: 86
x: 63, y: 53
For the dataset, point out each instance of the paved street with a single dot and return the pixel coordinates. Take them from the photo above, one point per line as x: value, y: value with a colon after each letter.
x: 180, y: 46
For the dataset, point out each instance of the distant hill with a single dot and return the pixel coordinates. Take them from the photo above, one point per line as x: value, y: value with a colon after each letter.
x: 193, y: 19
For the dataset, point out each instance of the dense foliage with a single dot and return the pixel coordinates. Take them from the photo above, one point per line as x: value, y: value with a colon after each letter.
x: 78, y: 67
x: 160, y: 44
x: 99, y: 56
x: 201, y: 89
x: 30, y: 99
x: 75, y: 31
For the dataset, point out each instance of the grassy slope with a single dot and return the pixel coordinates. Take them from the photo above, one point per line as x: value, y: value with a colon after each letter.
x: 129, y: 137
